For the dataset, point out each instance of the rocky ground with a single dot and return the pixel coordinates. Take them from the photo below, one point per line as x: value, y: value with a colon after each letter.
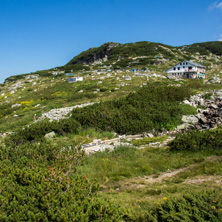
x: 209, y: 116
x: 61, y: 113
x: 209, y: 112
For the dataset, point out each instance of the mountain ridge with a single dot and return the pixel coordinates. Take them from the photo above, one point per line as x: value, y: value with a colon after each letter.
x: 143, y: 53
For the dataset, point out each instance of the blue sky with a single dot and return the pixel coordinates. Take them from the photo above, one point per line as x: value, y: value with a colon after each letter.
x: 41, y: 34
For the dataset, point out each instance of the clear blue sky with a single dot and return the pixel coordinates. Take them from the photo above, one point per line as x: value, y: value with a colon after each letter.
x: 41, y: 34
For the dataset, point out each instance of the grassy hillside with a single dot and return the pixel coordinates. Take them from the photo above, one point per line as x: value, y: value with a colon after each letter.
x: 145, y: 53
x: 45, y: 179
x: 151, y: 55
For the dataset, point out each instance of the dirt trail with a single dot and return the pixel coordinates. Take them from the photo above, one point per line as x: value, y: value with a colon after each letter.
x: 166, y: 175
x: 216, y: 179
x: 142, y: 182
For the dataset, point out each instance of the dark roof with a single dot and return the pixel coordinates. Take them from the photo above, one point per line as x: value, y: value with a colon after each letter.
x: 197, y: 64
x: 192, y: 63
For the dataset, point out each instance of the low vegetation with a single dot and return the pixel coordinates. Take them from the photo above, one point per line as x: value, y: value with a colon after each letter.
x: 191, y: 206
x: 153, y: 107
x: 38, y: 130
x: 53, y: 180
x: 198, y: 140
x: 38, y: 183
x: 148, y: 140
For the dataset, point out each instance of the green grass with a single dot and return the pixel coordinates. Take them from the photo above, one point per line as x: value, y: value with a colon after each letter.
x: 148, y: 140
x: 207, y: 168
x: 83, y: 136
x: 142, y: 202
x: 127, y: 162
x: 121, y: 175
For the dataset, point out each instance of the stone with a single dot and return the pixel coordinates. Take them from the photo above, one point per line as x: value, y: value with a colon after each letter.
x: 203, y: 120
x: 50, y: 135
x: 61, y: 113
x: 15, y: 105
x: 34, y: 76
x: 183, y: 126
x: 218, y: 93
x: 213, y: 106
x: 190, y: 119
x: 186, y: 102
x: 206, y: 112
x: 201, y: 102
x: 205, y: 127
x: 199, y: 115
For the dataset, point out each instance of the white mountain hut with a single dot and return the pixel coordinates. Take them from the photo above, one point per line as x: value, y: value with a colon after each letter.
x: 187, y: 70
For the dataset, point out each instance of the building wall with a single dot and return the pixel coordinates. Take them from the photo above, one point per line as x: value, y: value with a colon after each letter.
x: 182, y: 67
x: 185, y: 70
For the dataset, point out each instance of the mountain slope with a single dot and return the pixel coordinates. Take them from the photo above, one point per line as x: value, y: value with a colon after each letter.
x: 123, y: 54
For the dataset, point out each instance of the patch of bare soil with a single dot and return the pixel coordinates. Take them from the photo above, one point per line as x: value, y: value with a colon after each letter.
x: 142, y: 182
x: 217, y: 180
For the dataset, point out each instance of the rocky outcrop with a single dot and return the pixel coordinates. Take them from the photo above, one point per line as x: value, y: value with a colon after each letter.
x: 94, y: 55
x: 61, y: 113
x: 210, y: 116
x: 33, y: 76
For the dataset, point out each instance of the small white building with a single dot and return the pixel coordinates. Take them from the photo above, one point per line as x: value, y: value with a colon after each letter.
x: 187, y: 70
x: 75, y: 79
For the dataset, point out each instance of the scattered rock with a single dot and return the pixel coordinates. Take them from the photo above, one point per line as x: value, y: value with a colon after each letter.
x: 34, y: 76
x: 50, y: 135
x: 183, y: 126
x: 190, y: 119
x: 15, y: 105
x: 213, y: 106
x: 61, y: 113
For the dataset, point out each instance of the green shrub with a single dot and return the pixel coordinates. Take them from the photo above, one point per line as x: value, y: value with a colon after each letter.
x: 38, y: 183
x: 37, y: 130
x: 152, y: 107
x: 198, y: 140
x: 192, y: 206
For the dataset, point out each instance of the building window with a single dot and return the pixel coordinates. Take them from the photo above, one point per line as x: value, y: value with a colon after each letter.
x: 181, y: 64
x: 186, y: 63
x: 174, y: 68
x: 184, y: 67
x: 178, y: 68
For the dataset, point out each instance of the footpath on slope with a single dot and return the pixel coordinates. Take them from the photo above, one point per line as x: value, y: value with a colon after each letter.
x: 142, y: 182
